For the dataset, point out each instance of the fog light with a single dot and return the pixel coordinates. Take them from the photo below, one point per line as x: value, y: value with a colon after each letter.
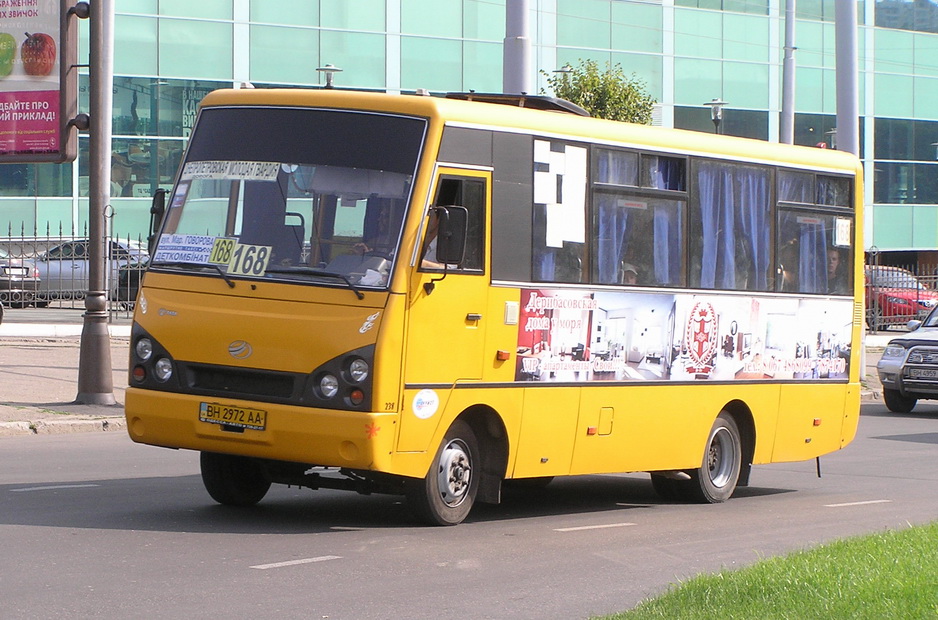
x: 163, y: 369
x: 328, y: 386
x: 144, y: 349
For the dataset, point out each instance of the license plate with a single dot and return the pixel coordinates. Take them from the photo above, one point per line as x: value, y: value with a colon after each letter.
x: 923, y: 373
x: 232, y: 415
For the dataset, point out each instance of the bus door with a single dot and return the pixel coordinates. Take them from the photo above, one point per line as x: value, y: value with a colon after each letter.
x: 446, y: 325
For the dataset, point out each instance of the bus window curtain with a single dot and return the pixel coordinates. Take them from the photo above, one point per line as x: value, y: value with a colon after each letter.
x: 670, y: 174
x: 727, y: 212
x: 754, y: 186
x: 812, y: 259
x: 612, y: 242
x: 718, y: 252
x: 667, y: 251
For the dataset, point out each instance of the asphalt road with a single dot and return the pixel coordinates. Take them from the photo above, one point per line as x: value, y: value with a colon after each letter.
x: 96, y: 526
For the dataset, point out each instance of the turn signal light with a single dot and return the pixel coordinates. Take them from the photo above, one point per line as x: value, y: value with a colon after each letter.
x: 139, y: 374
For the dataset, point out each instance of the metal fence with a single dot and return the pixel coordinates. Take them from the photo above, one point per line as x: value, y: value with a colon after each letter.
x: 897, y: 294
x: 60, y: 260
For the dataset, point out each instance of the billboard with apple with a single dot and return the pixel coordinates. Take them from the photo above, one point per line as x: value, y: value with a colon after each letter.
x: 38, y: 81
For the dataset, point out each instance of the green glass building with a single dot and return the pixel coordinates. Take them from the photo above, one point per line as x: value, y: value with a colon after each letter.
x: 169, y: 53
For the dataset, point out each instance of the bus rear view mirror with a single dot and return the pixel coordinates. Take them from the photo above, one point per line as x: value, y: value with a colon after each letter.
x: 157, y: 211
x: 451, y: 238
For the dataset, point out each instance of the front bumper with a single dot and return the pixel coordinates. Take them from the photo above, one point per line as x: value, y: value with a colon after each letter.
x: 915, y: 373
x: 325, y: 437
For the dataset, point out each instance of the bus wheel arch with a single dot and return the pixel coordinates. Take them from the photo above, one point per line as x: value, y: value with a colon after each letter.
x: 468, y: 465
x: 725, y: 465
x: 717, y: 477
x: 746, y: 426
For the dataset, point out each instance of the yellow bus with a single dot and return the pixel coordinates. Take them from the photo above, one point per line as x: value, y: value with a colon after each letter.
x: 432, y: 295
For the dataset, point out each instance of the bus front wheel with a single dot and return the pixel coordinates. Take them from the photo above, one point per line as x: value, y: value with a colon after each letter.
x: 234, y: 480
x: 446, y: 495
x: 716, y: 479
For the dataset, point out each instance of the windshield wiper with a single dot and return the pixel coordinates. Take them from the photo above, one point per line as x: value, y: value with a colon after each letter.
x: 318, y: 272
x: 185, y: 265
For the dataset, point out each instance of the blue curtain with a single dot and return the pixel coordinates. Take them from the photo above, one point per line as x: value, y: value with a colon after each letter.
x: 734, y: 208
x: 667, y: 227
x: 754, y: 187
x: 612, y: 242
x: 812, y: 259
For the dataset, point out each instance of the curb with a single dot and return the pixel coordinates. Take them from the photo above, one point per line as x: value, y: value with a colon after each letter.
x: 57, y: 427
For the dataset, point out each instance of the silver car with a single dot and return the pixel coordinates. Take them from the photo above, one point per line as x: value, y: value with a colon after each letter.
x: 908, y: 368
x: 63, y: 269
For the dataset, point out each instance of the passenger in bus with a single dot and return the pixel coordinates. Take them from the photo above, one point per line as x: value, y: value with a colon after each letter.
x: 629, y: 274
x: 429, y: 248
x: 836, y: 275
x: 787, y: 272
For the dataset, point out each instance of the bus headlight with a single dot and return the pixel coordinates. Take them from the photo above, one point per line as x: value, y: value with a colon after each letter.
x: 328, y: 386
x: 358, y: 370
x: 163, y: 369
x: 144, y: 349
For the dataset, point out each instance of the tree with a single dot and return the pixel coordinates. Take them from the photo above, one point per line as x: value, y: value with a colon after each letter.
x: 604, y: 94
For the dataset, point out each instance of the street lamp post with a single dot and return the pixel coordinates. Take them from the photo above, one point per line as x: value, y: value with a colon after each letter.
x: 95, y: 382
x: 329, y: 71
x: 716, y: 112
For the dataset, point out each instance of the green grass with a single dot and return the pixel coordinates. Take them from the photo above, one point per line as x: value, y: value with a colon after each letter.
x: 889, y: 575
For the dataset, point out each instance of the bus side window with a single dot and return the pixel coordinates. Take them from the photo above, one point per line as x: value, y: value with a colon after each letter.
x: 465, y: 192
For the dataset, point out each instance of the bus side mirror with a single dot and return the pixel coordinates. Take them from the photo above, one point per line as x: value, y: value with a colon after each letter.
x: 157, y: 211
x: 451, y: 235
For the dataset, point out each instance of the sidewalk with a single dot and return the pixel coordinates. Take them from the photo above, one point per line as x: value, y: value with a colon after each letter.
x: 39, y: 373
x: 39, y: 364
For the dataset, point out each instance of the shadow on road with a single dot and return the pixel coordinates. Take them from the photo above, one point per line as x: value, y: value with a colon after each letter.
x: 180, y: 504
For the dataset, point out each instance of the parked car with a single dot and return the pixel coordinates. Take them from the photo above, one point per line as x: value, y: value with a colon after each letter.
x: 908, y: 368
x: 895, y: 296
x: 64, y: 269
x: 19, y: 280
x: 128, y: 283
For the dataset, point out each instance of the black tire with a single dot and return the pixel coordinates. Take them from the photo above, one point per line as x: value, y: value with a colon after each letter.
x: 716, y: 479
x: 897, y: 403
x: 446, y: 495
x: 234, y: 480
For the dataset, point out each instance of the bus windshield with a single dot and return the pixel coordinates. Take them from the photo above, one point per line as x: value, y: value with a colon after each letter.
x: 314, y: 196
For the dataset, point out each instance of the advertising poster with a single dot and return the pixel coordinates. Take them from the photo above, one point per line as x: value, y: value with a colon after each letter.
x: 577, y: 336
x: 29, y: 76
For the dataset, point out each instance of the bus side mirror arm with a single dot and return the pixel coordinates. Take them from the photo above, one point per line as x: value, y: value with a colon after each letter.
x: 429, y: 286
x: 157, y: 211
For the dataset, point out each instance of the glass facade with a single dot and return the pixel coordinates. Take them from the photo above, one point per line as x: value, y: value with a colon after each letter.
x: 169, y: 53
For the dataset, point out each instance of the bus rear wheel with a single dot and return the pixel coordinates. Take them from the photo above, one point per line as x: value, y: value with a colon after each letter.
x: 446, y: 495
x: 716, y: 479
x: 234, y: 480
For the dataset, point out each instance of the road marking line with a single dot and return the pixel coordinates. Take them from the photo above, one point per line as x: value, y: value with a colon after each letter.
x: 591, y: 527
x: 55, y: 487
x: 322, y: 558
x: 872, y: 501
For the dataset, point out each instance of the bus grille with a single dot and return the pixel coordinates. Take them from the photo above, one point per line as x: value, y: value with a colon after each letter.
x: 240, y: 382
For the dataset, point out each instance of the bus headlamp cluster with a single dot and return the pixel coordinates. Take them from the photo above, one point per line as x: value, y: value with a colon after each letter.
x: 147, y: 364
x: 355, y: 371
